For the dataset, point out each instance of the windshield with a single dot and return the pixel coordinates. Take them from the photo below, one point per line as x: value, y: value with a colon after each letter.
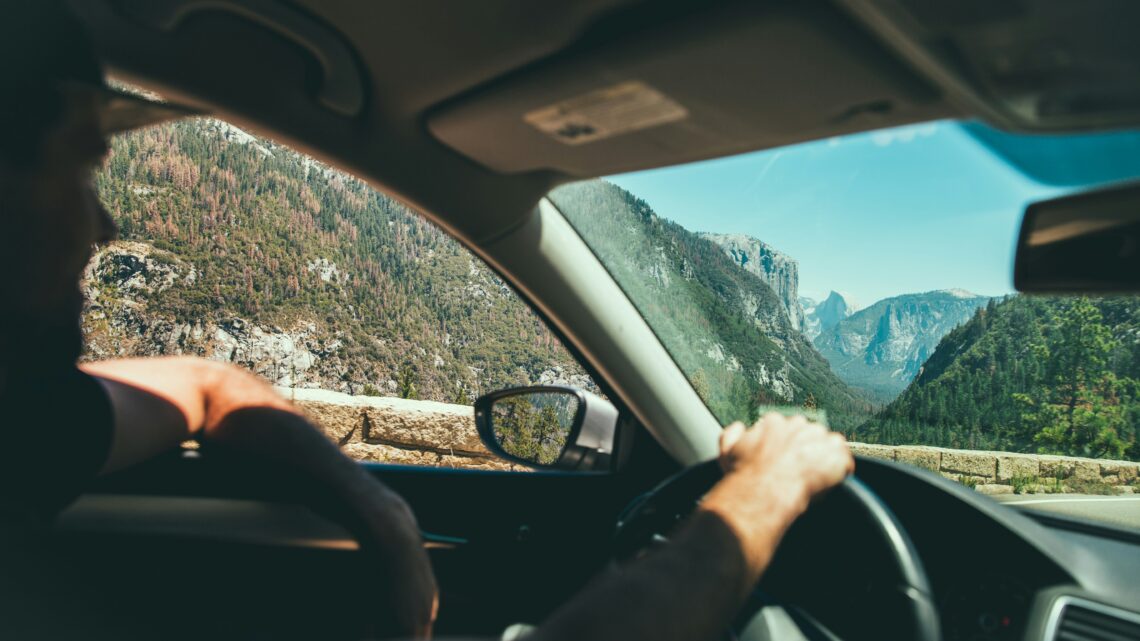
x: 868, y: 278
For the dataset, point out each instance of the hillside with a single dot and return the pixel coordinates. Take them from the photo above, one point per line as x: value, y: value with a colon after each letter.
x: 1028, y: 374
x: 239, y: 250
x: 723, y: 324
x: 881, y: 348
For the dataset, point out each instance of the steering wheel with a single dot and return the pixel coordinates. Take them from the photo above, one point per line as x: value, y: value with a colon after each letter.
x: 884, y: 595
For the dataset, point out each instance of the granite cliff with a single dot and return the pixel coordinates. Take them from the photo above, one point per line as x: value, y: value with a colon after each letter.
x: 777, y: 270
x: 822, y: 317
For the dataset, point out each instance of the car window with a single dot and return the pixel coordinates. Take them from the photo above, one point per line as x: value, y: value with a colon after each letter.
x: 867, y: 280
x: 379, y: 325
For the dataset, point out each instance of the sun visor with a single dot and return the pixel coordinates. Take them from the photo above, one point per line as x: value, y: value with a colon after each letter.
x: 748, y: 78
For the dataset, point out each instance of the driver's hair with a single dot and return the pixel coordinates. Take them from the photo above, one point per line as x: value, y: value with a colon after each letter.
x: 42, y: 44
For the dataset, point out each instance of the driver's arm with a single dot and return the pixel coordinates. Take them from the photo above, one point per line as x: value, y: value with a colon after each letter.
x: 159, y: 402
x: 692, y: 587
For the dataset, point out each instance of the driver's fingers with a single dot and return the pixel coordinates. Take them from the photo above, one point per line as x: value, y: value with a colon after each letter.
x: 839, y: 442
x: 729, y: 437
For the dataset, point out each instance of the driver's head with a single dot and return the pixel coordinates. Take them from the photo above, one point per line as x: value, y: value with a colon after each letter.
x: 54, y: 121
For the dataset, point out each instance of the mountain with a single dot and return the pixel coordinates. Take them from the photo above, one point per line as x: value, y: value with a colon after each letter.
x: 880, y: 349
x: 725, y: 326
x: 821, y: 317
x: 239, y: 250
x: 778, y: 270
x: 1051, y: 375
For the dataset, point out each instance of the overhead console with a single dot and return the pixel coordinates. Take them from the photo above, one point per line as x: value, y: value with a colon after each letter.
x: 1033, y: 66
x: 697, y: 84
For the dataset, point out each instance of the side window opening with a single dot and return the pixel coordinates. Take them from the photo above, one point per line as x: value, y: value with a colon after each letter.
x: 375, y: 322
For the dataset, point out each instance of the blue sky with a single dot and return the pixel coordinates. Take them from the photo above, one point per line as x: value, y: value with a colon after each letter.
x: 902, y: 210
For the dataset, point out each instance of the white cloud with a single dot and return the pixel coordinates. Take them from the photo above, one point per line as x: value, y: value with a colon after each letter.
x: 905, y: 134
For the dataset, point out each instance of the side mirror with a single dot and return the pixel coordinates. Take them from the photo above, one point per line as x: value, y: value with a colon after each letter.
x: 551, y: 427
x: 1084, y: 243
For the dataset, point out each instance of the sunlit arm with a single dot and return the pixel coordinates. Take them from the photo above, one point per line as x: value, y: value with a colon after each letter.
x: 160, y: 402
x: 713, y: 561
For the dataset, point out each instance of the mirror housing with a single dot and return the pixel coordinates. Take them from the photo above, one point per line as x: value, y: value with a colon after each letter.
x: 1082, y: 243
x: 576, y: 430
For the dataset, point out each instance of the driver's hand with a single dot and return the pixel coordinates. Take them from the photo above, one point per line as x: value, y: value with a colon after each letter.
x: 791, y: 454
x: 771, y: 473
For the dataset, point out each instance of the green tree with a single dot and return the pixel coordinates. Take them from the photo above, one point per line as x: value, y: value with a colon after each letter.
x: 1078, y: 409
x: 461, y: 397
x: 406, y: 381
x: 530, y: 432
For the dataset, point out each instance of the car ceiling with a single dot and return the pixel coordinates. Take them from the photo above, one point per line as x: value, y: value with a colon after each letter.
x: 429, y: 100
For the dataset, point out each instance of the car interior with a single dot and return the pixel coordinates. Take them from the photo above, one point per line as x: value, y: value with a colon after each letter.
x: 454, y: 108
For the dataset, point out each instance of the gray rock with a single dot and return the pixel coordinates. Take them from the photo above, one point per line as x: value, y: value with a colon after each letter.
x: 821, y: 317
x: 778, y: 270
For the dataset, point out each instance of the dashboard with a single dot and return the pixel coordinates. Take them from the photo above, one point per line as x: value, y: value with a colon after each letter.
x: 999, y: 575
x: 994, y: 607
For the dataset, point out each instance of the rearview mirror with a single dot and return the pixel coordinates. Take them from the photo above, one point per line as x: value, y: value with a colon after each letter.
x: 1084, y: 243
x: 548, y: 427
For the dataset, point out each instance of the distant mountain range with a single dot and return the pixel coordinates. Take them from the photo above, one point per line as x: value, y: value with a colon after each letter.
x: 882, y: 348
x: 877, y: 350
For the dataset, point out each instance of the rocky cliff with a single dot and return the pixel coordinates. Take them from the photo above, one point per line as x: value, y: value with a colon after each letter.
x: 880, y: 349
x: 778, y: 270
x: 124, y: 284
x: 822, y: 317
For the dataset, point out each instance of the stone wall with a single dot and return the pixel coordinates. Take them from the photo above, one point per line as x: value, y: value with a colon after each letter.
x: 382, y: 429
x: 401, y: 431
x: 1005, y: 472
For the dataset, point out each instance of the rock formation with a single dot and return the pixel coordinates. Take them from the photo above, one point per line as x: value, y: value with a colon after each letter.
x: 821, y: 317
x: 778, y: 270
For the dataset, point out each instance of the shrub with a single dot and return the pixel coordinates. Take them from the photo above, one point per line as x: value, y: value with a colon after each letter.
x: 1025, y: 484
x: 969, y: 481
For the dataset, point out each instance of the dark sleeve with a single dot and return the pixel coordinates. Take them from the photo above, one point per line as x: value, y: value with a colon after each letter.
x: 56, y: 436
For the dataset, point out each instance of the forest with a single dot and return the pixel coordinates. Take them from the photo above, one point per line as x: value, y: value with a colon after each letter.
x: 1028, y: 374
x: 277, y: 239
